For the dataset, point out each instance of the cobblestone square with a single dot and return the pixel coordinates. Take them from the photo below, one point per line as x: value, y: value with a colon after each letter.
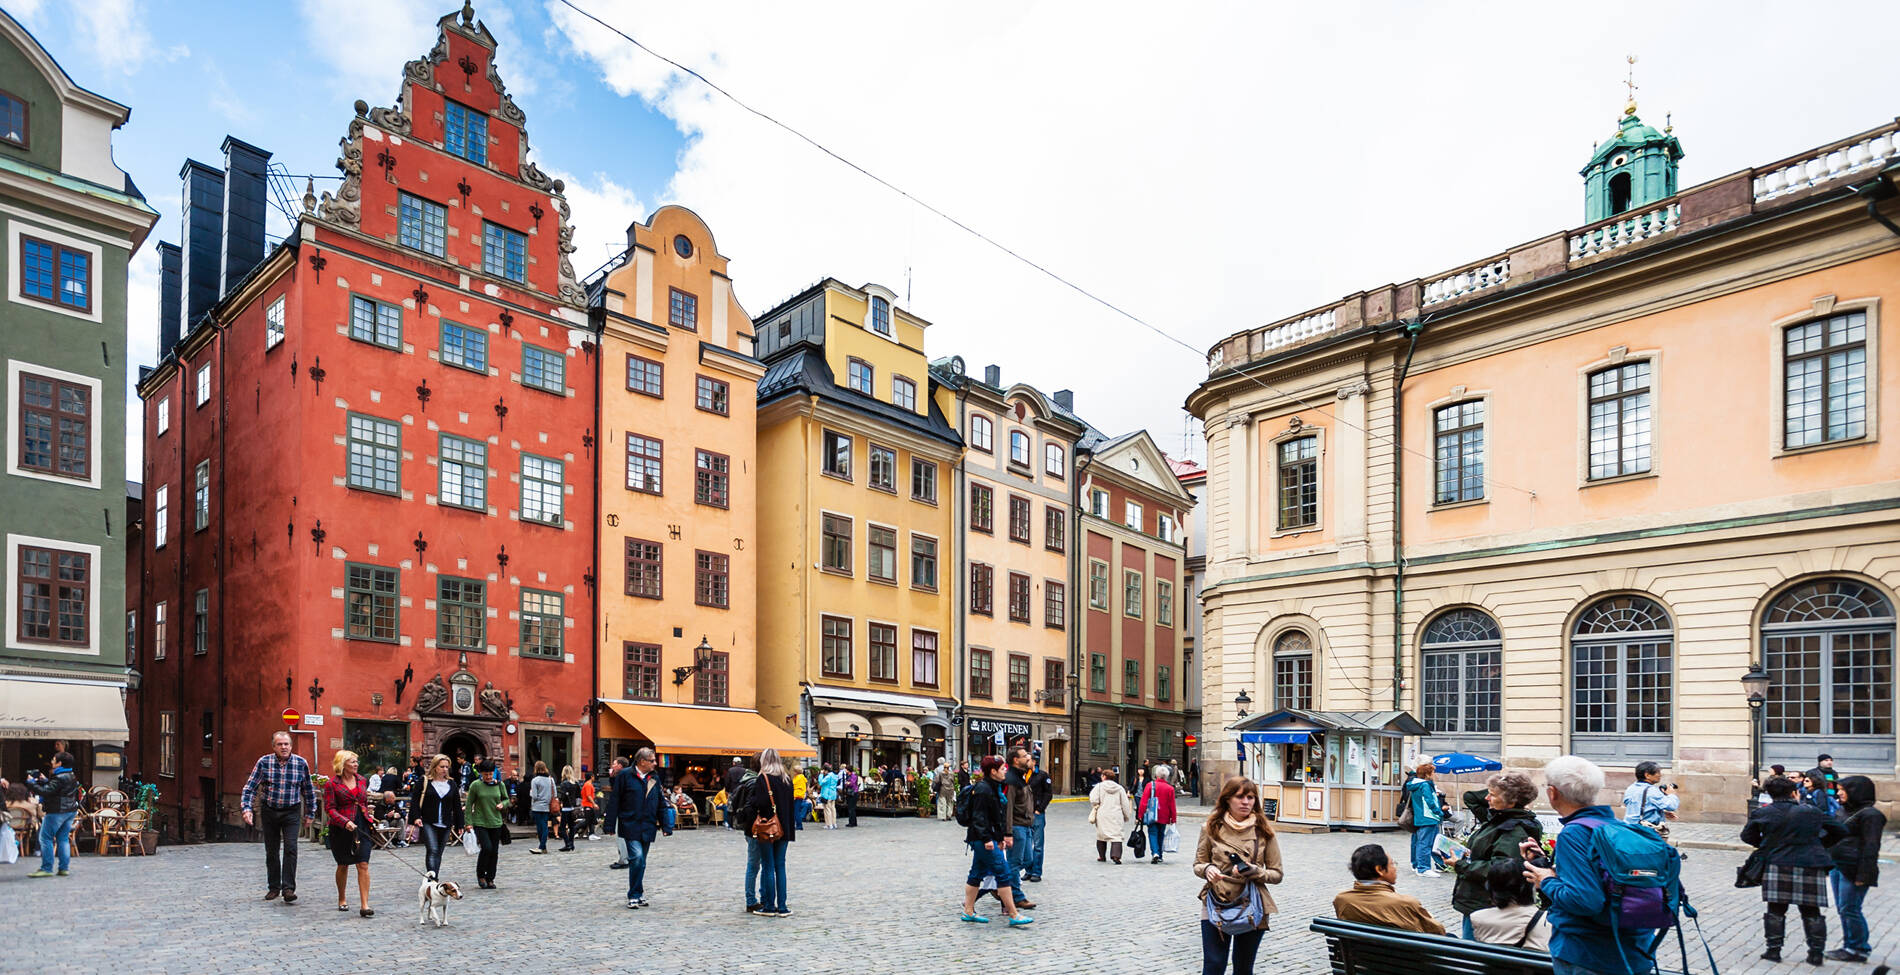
x: 880, y: 898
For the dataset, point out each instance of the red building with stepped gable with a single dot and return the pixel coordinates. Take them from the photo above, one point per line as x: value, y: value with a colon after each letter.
x: 369, y: 469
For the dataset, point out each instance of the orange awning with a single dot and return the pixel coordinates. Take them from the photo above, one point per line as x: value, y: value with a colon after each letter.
x: 698, y: 731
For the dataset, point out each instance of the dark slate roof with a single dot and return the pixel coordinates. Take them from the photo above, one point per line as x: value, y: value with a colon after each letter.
x: 804, y: 371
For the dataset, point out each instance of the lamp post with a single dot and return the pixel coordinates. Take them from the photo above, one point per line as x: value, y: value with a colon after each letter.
x: 702, y: 658
x: 1241, y: 701
x: 1755, y: 685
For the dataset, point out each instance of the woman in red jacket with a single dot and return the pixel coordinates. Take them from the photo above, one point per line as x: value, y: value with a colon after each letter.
x: 1156, y: 810
x: 346, y: 801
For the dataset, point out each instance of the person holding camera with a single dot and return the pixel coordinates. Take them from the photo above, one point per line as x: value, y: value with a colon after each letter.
x: 1648, y: 802
x: 1237, y: 849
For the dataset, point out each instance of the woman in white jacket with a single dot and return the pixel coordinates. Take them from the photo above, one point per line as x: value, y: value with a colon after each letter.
x: 1110, y: 809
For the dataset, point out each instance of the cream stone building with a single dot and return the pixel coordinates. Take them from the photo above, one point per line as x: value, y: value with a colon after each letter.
x: 1561, y: 499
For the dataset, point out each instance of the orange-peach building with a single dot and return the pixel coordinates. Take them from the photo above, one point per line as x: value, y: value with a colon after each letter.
x: 1561, y: 499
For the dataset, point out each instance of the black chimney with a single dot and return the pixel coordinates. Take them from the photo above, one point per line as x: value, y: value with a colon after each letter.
x: 244, y: 202
x: 170, y: 296
x: 993, y: 375
x: 202, y: 211
x: 1065, y: 398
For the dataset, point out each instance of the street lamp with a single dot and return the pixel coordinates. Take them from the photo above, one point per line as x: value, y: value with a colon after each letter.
x: 702, y: 658
x: 1241, y: 701
x: 1755, y: 684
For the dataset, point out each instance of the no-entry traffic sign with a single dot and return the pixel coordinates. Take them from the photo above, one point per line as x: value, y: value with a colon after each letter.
x: 291, y: 717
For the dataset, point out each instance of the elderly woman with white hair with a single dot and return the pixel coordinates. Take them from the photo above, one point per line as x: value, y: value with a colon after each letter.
x: 1580, y: 943
x: 1157, y: 810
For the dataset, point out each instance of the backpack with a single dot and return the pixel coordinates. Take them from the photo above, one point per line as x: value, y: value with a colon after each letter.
x: 966, y: 817
x: 1641, y: 876
x: 741, y: 799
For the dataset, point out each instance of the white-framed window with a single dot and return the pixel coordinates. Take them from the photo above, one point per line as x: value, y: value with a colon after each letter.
x: 201, y: 496
x: 1164, y: 528
x: 274, y: 324
x: 1098, y: 503
x: 1018, y: 448
x: 1824, y: 370
x: 202, y: 395
x: 981, y: 433
x: 1054, y: 460
x: 860, y: 375
x: 880, y: 316
x: 903, y: 393
x: 164, y: 415
x: 1133, y: 593
x: 158, y: 631
x: 463, y: 465
x: 1164, y: 602
x: 1622, y: 426
x: 1296, y: 488
x: 541, y: 488
x: 52, y: 600
x: 1098, y: 584
x: 161, y: 515
x: 53, y: 425
x: 54, y: 271
x: 1131, y: 515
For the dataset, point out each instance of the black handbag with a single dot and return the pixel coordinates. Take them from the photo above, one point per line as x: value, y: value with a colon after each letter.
x: 1138, y: 842
x: 1750, y: 873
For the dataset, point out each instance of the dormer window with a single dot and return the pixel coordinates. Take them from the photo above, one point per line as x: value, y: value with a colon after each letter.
x: 880, y: 316
x: 465, y: 132
x: 12, y: 120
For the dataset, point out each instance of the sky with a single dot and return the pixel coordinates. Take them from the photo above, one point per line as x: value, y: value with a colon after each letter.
x: 1208, y: 167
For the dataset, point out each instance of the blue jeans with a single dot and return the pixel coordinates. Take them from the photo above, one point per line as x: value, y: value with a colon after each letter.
x: 56, y: 832
x: 801, y: 808
x: 772, y: 875
x: 1560, y: 967
x: 541, y: 827
x: 751, y: 872
x: 636, y: 869
x: 1847, y: 900
x: 1216, y: 946
x: 1422, y: 839
x: 987, y: 863
x: 1018, y: 858
x: 1035, y: 853
x: 1468, y: 934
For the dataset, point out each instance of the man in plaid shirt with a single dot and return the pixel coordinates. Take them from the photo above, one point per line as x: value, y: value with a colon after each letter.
x: 289, y: 801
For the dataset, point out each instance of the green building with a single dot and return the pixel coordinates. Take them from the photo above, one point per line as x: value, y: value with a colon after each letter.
x: 70, y: 221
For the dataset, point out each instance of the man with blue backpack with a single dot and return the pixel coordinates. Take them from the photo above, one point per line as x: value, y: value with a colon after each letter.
x: 1614, y: 889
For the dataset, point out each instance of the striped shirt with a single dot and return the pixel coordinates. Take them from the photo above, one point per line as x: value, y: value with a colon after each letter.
x: 285, y: 782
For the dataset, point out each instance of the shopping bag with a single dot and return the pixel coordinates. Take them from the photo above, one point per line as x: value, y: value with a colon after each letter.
x: 9, y: 843
x: 1170, y: 839
x: 1138, y: 843
x: 469, y: 842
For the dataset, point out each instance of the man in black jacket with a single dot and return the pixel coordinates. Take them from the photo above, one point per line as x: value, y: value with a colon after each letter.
x: 612, y: 816
x: 1041, y: 792
x: 1020, y: 812
x: 639, y: 806
x: 59, y: 806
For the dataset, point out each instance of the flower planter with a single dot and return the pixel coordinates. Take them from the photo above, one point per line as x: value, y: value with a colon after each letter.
x: 148, y: 842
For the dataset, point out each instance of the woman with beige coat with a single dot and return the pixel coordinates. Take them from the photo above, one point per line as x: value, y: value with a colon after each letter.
x: 1237, y: 848
x: 1110, y: 809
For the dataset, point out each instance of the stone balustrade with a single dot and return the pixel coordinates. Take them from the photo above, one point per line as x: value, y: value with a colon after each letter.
x: 1626, y: 230
x: 1481, y: 277
x: 1828, y: 163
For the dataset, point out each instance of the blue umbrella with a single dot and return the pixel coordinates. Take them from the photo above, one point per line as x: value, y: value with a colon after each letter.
x: 1458, y: 763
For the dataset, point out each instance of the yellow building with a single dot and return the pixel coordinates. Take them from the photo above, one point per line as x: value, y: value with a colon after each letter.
x: 678, y: 511
x: 1014, y: 634
x: 856, y: 578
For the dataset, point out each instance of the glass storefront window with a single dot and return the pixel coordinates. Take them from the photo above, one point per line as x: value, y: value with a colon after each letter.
x: 377, y: 744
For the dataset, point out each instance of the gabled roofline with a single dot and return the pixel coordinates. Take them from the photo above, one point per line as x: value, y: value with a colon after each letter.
x: 63, y: 84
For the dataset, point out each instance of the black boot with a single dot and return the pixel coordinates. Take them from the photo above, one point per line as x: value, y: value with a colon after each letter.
x: 1775, y: 930
x: 1815, y: 927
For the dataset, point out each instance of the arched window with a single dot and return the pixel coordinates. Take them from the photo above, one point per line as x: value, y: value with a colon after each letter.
x: 1619, y: 193
x: 1621, y: 678
x: 1293, y: 671
x: 880, y: 316
x: 1828, y: 647
x: 1461, y: 672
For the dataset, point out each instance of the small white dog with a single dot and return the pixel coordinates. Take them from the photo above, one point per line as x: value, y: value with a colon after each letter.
x: 435, y: 896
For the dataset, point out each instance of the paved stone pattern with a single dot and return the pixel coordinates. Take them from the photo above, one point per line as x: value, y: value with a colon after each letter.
x: 880, y: 898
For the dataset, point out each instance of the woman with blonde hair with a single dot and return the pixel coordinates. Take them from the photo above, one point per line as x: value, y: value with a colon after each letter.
x: 1238, y: 856
x: 569, y: 792
x: 346, y: 803
x: 769, y: 795
x: 435, y: 810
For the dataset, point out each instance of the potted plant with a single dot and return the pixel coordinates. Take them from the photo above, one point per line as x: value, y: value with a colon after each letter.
x: 923, y: 797
x: 148, y: 801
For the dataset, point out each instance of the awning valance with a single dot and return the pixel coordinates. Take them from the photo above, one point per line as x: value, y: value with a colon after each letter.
x: 842, y: 724
x: 60, y: 709
x: 698, y: 731
x: 896, y: 729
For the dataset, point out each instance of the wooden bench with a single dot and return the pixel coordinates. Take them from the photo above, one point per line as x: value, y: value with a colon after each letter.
x: 1373, y: 949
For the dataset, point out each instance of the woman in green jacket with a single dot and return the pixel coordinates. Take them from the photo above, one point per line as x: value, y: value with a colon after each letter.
x: 483, y: 808
x: 1507, y: 824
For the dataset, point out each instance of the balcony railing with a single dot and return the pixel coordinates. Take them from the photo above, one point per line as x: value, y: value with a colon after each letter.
x: 1480, y: 277
x: 1860, y: 154
x: 1624, y: 231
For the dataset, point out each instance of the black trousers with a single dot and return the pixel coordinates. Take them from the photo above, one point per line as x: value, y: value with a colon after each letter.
x: 850, y: 809
x: 1215, y: 947
x: 280, y: 825
x: 489, y: 839
x: 568, y: 818
x: 433, y: 839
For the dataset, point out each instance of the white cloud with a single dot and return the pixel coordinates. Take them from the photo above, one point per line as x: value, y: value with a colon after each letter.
x: 1209, y: 167
x: 602, y: 211
x: 26, y: 11
x: 368, y: 58
x: 141, y: 336
x: 116, y: 34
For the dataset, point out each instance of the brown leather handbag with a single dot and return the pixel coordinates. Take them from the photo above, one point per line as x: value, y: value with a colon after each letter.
x: 766, y: 828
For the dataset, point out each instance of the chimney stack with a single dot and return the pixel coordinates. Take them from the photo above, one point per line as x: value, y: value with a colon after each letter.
x: 242, y: 236
x: 169, y: 297
x: 202, y: 213
x: 993, y: 375
x: 1065, y: 398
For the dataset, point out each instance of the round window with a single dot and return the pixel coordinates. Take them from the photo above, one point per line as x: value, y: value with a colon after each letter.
x: 1618, y: 161
x: 683, y: 245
